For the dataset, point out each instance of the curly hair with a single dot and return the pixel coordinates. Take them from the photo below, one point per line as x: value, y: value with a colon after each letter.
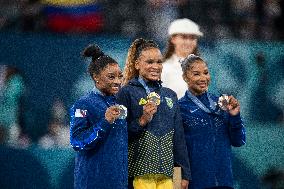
x: 134, y: 53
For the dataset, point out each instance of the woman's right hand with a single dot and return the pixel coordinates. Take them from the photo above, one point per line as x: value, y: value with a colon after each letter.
x: 112, y: 113
x: 149, y: 110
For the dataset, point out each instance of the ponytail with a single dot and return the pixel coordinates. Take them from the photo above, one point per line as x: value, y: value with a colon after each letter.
x: 134, y: 53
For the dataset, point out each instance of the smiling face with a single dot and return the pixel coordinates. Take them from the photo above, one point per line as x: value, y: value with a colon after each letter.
x: 149, y: 64
x: 109, y: 80
x: 185, y: 44
x: 197, y: 78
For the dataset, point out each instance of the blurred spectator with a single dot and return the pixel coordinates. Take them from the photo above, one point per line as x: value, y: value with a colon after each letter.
x: 10, y: 12
x: 12, y: 89
x: 244, y: 18
x: 124, y: 17
x: 216, y: 16
x: 58, y: 131
x: 158, y: 15
x: 25, y: 15
x: 32, y: 18
x: 183, y: 37
x: 240, y: 19
x: 58, y: 111
x: 57, y: 136
x: 136, y: 18
x: 279, y: 20
x: 271, y: 10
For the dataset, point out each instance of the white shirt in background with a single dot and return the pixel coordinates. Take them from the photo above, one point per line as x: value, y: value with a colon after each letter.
x: 172, y: 76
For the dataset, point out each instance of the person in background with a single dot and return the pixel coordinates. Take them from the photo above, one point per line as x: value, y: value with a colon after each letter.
x: 183, y: 40
x: 12, y: 90
x: 211, y: 125
x: 155, y: 132
x: 56, y: 137
x: 58, y: 130
x: 97, y: 133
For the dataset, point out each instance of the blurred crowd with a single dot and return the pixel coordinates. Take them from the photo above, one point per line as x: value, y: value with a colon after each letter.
x: 239, y: 19
x: 13, y: 116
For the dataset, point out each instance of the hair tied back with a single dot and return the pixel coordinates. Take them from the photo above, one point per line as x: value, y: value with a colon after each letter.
x: 93, y: 51
x: 188, y: 60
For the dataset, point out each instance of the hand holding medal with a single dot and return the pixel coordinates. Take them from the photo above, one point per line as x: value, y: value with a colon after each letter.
x: 150, y: 108
x: 154, y: 97
x: 122, y: 111
x: 115, y: 112
x: 223, y: 102
x: 229, y: 104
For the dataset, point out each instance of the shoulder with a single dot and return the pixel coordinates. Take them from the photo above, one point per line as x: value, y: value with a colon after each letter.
x: 127, y: 92
x: 183, y: 100
x: 133, y: 84
x: 128, y: 88
x: 186, y: 103
x: 86, y: 99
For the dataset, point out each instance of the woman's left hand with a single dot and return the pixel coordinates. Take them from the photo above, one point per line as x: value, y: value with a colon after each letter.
x: 184, y: 184
x: 233, y: 106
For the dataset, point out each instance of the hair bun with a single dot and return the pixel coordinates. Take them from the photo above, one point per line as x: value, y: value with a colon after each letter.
x: 93, y: 51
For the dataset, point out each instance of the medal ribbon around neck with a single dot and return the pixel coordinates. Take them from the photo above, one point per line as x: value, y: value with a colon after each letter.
x: 144, y: 85
x: 201, y: 105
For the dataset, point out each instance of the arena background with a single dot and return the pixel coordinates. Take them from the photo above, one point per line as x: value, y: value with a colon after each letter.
x: 249, y: 66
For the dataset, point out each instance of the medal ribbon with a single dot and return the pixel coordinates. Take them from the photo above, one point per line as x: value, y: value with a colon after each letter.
x: 144, y: 85
x: 201, y: 105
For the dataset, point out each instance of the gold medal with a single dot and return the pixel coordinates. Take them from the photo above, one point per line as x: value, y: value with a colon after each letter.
x: 154, y: 97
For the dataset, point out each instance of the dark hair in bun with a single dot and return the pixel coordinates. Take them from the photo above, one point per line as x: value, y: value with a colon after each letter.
x: 99, y: 59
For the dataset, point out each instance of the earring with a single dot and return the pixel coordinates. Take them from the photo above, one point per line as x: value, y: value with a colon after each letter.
x: 97, y: 81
